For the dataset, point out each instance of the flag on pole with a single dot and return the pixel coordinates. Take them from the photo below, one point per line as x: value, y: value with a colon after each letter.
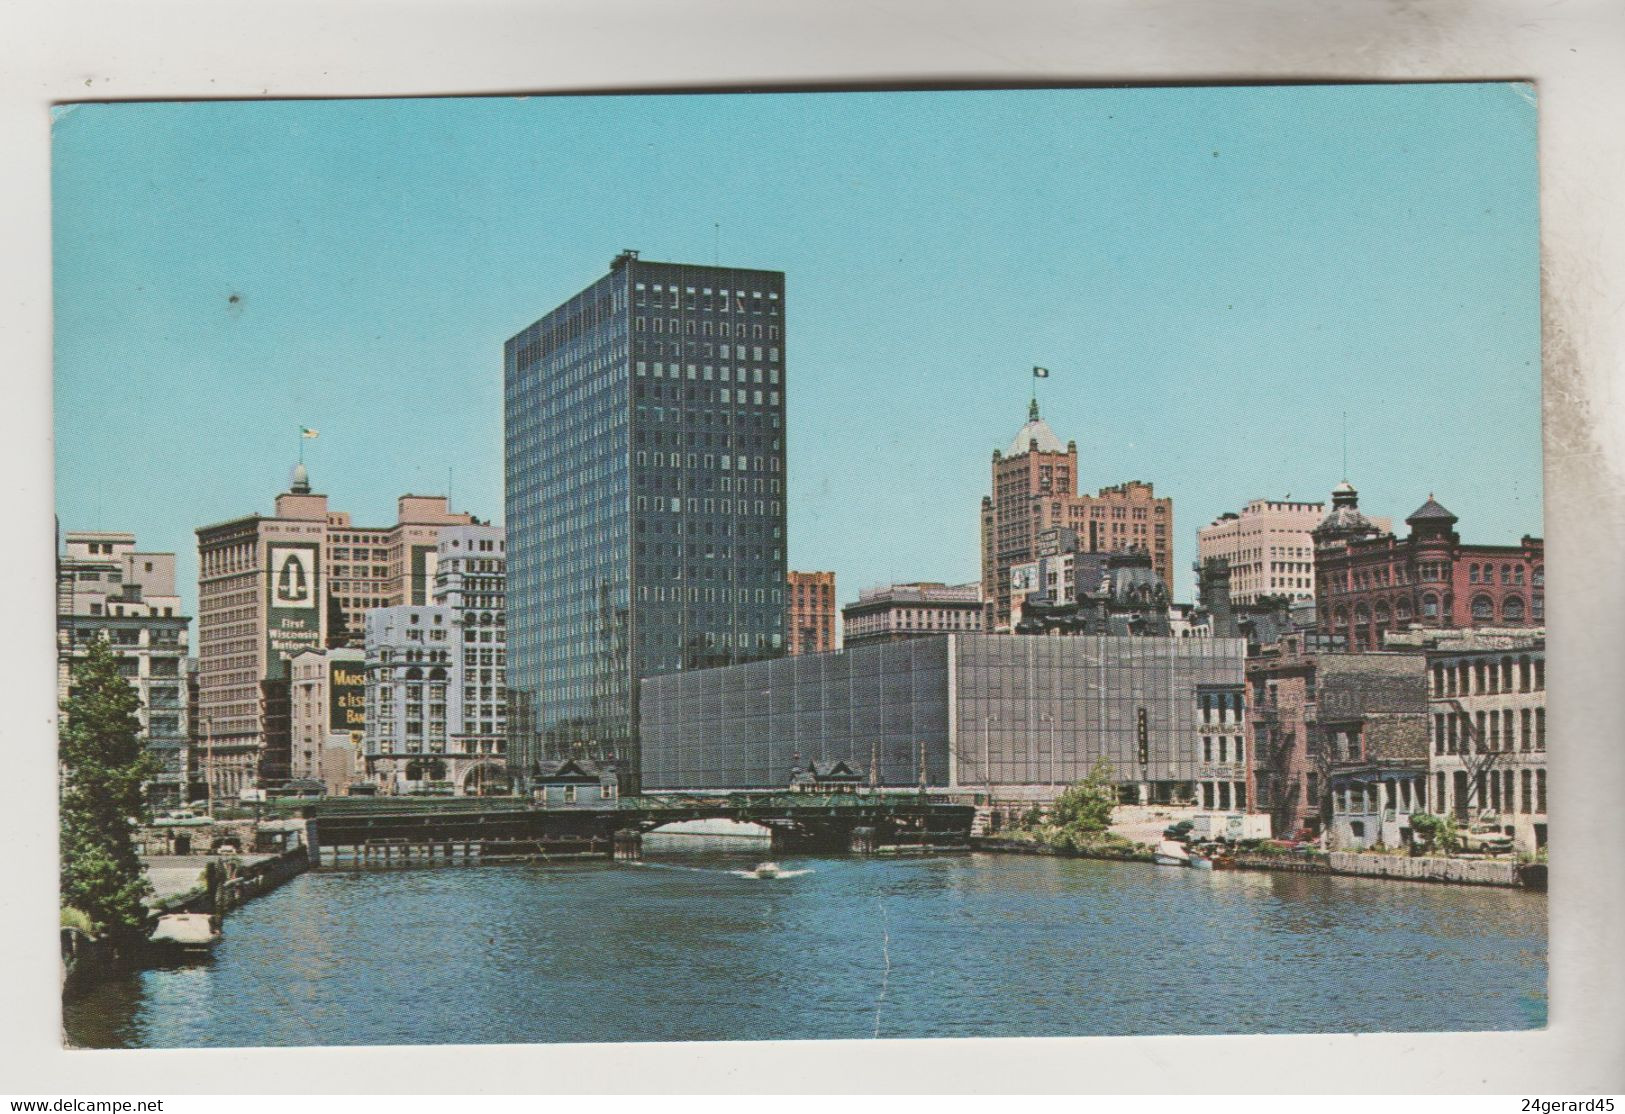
x: 1040, y: 373
x: 310, y: 433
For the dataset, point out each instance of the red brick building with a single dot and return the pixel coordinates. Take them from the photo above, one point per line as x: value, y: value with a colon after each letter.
x: 1369, y: 582
x: 812, y: 612
x: 1035, y: 484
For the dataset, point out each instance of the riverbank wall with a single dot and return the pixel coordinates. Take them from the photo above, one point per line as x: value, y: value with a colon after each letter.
x: 1465, y: 872
x: 1461, y: 872
x: 1033, y: 847
x: 232, y: 883
x: 223, y: 886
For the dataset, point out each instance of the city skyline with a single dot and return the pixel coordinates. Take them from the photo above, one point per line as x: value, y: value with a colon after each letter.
x: 1283, y: 256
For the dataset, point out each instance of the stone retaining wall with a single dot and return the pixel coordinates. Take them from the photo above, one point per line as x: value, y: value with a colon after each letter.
x: 1471, y: 872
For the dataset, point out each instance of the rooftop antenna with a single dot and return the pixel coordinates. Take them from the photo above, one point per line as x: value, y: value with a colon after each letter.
x: 1345, y: 446
x: 716, y: 251
x: 450, y: 472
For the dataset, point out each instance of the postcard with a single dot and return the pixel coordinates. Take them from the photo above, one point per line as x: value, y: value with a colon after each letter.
x: 844, y: 565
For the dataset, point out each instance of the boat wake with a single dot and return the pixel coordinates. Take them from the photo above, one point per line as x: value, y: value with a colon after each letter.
x: 765, y: 877
x: 753, y: 874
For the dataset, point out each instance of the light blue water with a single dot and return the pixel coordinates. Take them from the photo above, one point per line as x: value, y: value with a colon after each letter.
x: 682, y: 947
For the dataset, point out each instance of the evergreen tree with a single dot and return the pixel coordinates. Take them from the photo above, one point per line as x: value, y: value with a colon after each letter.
x: 104, y: 766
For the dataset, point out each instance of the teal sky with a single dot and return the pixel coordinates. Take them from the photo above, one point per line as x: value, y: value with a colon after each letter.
x: 1213, y: 276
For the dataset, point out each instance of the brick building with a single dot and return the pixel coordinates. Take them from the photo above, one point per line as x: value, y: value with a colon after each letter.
x: 812, y: 612
x: 1370, y: 583
x: 1334, y: 734
x: 1035, y: 488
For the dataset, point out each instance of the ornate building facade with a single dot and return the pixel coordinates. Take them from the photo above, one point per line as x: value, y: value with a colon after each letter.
x: 1035, y: 487
x: 1370, y: 583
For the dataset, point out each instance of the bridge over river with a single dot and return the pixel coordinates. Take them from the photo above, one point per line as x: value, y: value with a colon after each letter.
x: 403, y: 829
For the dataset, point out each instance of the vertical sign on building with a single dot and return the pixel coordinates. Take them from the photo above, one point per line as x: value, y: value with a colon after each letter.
x: 425, y: 559
x: 346, y: 698
x: 294, y: 617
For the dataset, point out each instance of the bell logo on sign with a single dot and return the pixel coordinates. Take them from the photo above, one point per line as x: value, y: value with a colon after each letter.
x: 293, y: 583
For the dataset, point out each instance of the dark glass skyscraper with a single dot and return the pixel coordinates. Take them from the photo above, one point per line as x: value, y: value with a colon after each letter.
x: 645, y: 461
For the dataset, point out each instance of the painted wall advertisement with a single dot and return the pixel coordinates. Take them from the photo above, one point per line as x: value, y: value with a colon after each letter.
x: 346, y: 697
x: 295, y: 616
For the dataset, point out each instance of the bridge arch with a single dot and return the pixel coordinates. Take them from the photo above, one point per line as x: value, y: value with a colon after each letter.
x: 714, y: 827
x: 487, y: 779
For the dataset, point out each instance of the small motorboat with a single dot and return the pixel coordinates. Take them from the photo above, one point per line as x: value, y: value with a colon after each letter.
x: 185, y: 933
x: 1200, y: 862
x: 766, y: 870
x: 1170, y: 853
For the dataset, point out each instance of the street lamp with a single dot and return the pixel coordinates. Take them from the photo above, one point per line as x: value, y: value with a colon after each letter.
x: 1049, y: 719
x: 208, y: 766
x: 987, y: 755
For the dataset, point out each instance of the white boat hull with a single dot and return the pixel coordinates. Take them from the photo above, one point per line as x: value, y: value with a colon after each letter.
x: 1170, y: 853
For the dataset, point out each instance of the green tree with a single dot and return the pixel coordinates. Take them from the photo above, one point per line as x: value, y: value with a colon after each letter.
x: 104, y: 764
x: 1436, y: 832
x: 1087, y: 806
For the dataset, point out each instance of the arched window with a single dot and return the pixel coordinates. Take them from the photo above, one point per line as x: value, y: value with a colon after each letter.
x: 1430, y: 606
x: 437, y: 674
x: 414, y: 674
x: 1483, y: 609
x: 1341, y: 619
x: 1512, y: 609
x: 1362, y: 615
x: 1538, y: 577
x: 1472, y: 574
x: 1381, y: 613
x: 1402, y: 610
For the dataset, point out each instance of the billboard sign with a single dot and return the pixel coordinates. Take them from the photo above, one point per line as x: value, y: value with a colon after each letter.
x: 346, y: 697
x: 294, y: 617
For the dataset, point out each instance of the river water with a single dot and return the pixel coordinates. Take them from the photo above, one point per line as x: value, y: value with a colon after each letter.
x: 680, y: 947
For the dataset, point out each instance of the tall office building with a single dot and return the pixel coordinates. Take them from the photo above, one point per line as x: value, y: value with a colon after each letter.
x: 1035, y: 485
x: 645, y: 459
x: 106, y: 589
x: 272, y: 588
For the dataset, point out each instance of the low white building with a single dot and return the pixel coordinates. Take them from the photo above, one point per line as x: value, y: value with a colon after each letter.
x: 898, y: 611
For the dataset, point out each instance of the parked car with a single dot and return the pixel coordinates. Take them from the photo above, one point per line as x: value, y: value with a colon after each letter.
x: 1490, y: 841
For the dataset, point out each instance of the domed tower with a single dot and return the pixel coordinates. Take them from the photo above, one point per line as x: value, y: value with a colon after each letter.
x: 1031, y: 478
x: 1345, y: 522
x: 1339, y: 610
x: 301, y: 480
